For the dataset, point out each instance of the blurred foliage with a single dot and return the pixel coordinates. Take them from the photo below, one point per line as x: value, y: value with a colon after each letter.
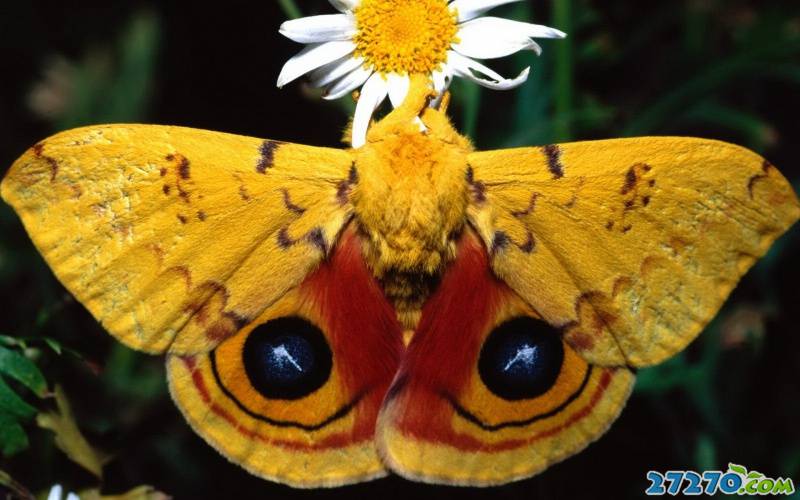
x: 727, y: 69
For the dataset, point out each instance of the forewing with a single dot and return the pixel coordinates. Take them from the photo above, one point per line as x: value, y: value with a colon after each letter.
x: 629, y: 245
x: 175, y: 238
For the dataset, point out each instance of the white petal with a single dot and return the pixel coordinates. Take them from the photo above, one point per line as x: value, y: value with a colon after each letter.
x: 316, y: 29
x: 345, y: 5
x: 497, y: 26
x: 483, y: 40
x: 312, y: 57
x: 480, y: 74
x: 337, y: 69
x: 55, y: 492
x: 398, y: 88
x: 73, y: 496
x: 372, y: 95
x: 470, y: 9
x: 348, y: 83
x: 441, y: 82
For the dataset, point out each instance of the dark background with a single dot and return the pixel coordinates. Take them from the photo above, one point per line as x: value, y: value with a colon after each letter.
x: 728, y: 70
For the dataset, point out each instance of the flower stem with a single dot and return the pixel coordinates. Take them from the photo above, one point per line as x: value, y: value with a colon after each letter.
x: 290, y: 8
x: 563, y: 80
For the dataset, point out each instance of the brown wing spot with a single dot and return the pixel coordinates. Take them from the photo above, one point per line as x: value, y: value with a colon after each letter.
x: 610, y: 225
x: 207, y: 308
x: 352, y: 174
x: 627, y: 228
x: 183, y: 219
x: 645, y: 200
x: 287, y: 202
x: 317, y: 238
x: 344, y: 187
x: 630, y: 181
x: 38, y: 152
x: 201, y: 216
x: 183, y: 173
x: 595, y: 312
x: 478, y: 188
x: 500, y: 241
x: 166, y: 189
x: 163, y: 171
x: 267, y: 158
x: 183, y: 271
x: 529, y: 244
x: 553, y: 154
x: 765, y: 168
x: 529, y: 209
x: 183, y: 168
x: 284, y: 240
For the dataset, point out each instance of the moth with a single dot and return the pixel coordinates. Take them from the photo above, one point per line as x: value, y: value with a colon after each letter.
x: 413, y: 305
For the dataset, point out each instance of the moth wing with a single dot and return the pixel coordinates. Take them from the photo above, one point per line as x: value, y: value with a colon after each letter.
x: 175, y: 238
x: 468, y: 407
x: 292, y: 405
x: 629, y: 245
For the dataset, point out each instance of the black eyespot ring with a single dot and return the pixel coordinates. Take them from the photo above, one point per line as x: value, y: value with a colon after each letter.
x: 521, y: 359
x: 287, y: 358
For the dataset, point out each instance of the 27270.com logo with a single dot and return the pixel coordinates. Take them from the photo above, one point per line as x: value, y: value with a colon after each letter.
x: 737, y: 480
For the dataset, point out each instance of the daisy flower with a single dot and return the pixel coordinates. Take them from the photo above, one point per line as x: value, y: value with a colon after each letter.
x: 377, y: 44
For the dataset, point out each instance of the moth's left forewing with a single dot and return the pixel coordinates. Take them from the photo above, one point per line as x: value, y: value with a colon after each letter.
x: 175, y: 238
x: 629, y: 245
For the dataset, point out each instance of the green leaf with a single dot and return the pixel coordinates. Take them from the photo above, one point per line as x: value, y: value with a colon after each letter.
x: 290, y: 8
x: 739, y: 469
x: 69, y: 438
x: 14, y: 405
x: 11, y: 341
x: 23, y: 370
x: 53, y: 344
x: 12, y: 436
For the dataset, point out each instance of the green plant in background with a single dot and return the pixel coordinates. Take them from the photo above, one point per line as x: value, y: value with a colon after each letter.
x: 14, y: 410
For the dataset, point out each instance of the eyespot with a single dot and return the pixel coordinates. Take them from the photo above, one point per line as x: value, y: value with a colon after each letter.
x: 521, y: 359
x: 287, y: 358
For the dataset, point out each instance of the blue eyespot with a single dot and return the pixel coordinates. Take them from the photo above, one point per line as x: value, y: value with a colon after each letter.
x: 521, y: 359
x: 287, y: 358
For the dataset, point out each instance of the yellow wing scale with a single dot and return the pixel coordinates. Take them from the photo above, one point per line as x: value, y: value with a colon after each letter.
x: 173, y: 237
x: 630, y: 245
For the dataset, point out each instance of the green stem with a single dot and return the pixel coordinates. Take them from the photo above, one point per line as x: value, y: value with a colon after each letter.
x: 563, y: 81
x: 19, y: 490
x: 472, y: 107
x: 290, y: 8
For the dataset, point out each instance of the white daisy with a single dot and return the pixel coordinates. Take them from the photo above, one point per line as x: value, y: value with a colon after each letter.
x: 377, y: 44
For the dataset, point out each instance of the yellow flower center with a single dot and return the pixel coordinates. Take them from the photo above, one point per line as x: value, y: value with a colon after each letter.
x: 404, y: 36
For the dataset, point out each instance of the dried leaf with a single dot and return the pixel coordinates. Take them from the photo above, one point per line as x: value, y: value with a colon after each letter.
x: 138, y: 493
x: 69, y: 438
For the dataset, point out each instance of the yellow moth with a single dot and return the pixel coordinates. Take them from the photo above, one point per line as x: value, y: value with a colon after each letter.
x: 412, y: 305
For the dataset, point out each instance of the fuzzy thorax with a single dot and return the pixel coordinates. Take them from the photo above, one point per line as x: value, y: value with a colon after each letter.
x: 411, y: 199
